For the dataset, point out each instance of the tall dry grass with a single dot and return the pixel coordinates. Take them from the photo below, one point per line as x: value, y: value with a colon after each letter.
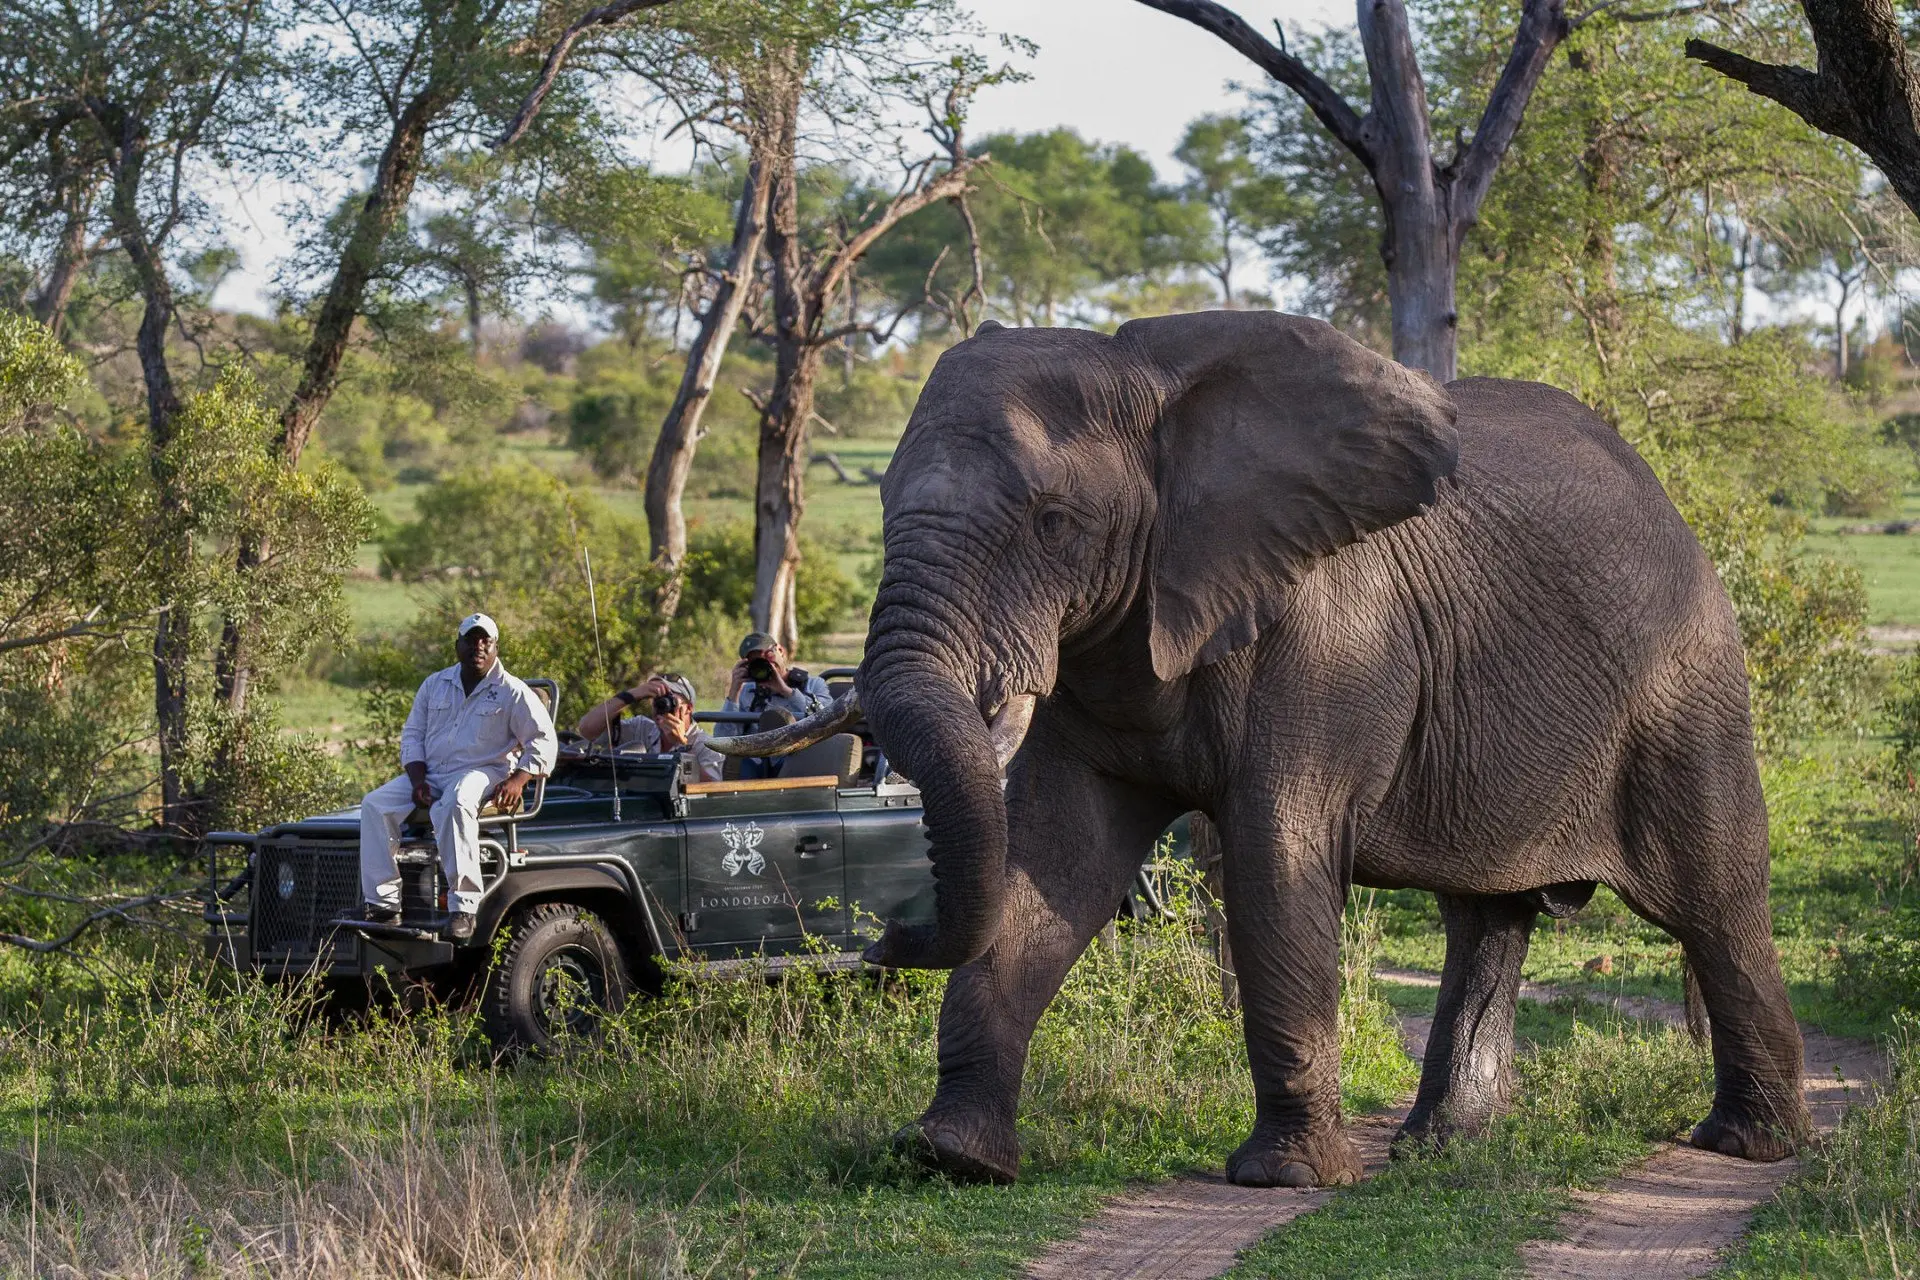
x: 423, y: 1201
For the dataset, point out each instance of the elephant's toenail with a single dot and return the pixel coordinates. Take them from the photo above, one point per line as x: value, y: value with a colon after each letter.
x: 1295, y: 1174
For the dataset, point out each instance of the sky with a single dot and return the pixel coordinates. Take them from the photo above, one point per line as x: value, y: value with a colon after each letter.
x: 1114, y: 70
x: 1118, y: 71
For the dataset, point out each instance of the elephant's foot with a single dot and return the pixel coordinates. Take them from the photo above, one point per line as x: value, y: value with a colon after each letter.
x: 1323, y: 1159
x: 1750, y: 1137
x: 962, y: 1148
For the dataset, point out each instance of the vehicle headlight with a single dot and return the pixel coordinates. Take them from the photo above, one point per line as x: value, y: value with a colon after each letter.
x: 286, y: 880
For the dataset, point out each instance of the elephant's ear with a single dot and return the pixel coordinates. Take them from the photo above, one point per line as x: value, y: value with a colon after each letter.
x: 1280, y: 442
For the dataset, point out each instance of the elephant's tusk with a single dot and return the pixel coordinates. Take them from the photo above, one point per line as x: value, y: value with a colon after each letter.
x: 789, y: 738
x: 1009, y: 727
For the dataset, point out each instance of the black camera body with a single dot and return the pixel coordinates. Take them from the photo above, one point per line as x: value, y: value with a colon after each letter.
x: 759, y: 670
x: 665, y: 704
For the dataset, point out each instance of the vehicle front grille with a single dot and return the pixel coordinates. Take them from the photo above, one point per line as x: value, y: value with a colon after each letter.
x: 321, y: 883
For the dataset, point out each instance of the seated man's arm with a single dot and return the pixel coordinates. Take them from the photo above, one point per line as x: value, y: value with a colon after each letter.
x: 413, y: 746
x: 539, y: 748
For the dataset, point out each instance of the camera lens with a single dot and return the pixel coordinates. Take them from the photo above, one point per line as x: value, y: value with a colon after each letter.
x: 665, y: 704
x: 759, y: 671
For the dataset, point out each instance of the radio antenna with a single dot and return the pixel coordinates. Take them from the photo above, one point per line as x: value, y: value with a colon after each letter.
x: 600, y: 657
x: 593, y: 607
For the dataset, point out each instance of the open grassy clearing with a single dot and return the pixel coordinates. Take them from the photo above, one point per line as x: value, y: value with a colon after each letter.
x: 1889, y: 562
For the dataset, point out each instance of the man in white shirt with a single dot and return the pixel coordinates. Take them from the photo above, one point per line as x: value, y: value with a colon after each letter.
x: 655, y: 715
x: 474, y: 732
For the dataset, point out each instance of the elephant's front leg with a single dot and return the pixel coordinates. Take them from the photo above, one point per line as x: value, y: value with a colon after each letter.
x: 1285, y: 896
x: 1075, y: 841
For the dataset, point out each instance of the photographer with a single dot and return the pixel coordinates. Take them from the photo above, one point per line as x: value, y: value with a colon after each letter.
x: 763, y: 680
x: 655, y: 715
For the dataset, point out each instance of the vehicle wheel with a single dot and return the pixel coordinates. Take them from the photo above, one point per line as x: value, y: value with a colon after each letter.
x: 560, y: 974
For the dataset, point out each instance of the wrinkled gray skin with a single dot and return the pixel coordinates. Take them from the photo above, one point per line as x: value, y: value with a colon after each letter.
x: 1381, y: 632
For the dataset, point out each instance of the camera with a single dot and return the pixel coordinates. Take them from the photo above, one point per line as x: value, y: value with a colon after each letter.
x: 759, y: 670
x: 666, y: 704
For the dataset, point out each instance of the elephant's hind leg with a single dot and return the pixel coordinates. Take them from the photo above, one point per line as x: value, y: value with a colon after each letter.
x: 1697, y: 857
x: 1467, y: 1078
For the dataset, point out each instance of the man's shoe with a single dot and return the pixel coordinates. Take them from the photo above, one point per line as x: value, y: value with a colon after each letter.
x: 460, y: 928
x: 379, y: 913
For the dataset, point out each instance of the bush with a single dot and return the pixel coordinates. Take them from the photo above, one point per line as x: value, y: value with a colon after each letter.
x: 1802, y: 617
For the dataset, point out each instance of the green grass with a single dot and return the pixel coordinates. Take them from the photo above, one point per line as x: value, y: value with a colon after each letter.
x: 1889, y: 562
x: 744, y: 1125
x: 1855, y: 1209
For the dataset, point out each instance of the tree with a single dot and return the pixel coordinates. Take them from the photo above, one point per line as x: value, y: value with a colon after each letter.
x: 1864, y: 91
x: 1218, y: 152
x: 152, y: 92
x: 1428, y: 205
x: 807, y: 278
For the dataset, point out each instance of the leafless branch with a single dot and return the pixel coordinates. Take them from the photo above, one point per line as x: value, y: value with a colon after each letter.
x: 605, y: 15
x: 1321, y: 98
x: 1543, y: 25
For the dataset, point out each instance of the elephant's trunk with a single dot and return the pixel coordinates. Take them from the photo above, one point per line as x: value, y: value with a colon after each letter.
x: 932, y: 728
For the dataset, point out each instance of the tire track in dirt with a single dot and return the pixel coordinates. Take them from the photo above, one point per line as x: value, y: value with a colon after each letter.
x: 1193, y: 1227
x: 1671, y: 1216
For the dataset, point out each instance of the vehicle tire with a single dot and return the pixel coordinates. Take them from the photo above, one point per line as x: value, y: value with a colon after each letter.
x: 560, y: 974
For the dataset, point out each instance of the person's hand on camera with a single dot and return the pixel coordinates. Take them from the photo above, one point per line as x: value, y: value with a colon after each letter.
x: 676, y: 726
x: 738, y: 677
x: 776, y: 660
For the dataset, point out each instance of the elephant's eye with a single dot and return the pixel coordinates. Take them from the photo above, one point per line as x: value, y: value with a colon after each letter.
x: 1057, y: 526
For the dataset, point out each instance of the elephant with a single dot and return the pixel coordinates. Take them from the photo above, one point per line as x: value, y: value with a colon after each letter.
x: 1382, y: 632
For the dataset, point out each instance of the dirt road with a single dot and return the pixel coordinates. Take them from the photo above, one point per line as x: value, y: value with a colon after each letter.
x: 1670, y: 1217
x: 1665, y: 1219
x: 1192, y: 1227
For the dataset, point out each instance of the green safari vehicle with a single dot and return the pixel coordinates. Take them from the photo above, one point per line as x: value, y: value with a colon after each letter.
x: 617, y: 862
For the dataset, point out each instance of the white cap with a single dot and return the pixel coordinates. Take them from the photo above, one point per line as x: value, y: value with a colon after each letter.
x: 481, y: 621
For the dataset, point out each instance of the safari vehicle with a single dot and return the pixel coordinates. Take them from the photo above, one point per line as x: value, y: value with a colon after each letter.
x: 616, y: 861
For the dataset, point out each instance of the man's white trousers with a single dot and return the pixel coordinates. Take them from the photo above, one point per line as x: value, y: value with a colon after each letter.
x: 456, y: 828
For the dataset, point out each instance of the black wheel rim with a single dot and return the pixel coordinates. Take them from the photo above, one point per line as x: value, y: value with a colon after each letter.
x: 570, y: 992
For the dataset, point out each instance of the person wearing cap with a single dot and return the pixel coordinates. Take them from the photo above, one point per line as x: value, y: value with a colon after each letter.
x: 655, y: 715
x: 763, y: 680
x: 474, y: 732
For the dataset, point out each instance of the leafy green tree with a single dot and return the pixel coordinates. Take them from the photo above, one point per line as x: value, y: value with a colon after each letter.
x: 1217, y: 151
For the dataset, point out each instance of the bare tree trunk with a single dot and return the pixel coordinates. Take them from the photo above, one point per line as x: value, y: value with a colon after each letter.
x: 1742, y: 264
x: 803, y: 289
x: 69, y: 261
x: 172, y: 632
x: 1428, y: 206
x: 1207, y: 859
x: 779, y: 498
x: 1841, y: 355
x: 680, y: 431
x: 385, y: 204
x: 471, y: 287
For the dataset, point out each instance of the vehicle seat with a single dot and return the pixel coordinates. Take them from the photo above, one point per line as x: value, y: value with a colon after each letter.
x: 838, y: 755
